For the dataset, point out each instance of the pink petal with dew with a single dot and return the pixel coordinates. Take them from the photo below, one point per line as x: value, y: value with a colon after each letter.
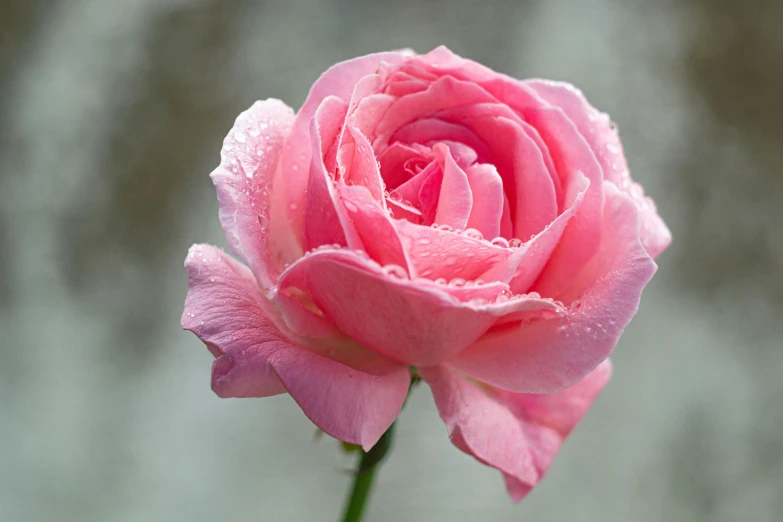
x: 413, y: 322
x: 549, y: 355
x: 582, y: 235
x: 255, y: 358
x: 397, y: 162
x: 455, y: 199
x: 254, y: 222
x: 519, y: 434
x: 599, y: 133
x: 515, y: 148
x: 432, y: 130
x: 325, y: 220
x: 487, y: 189
x: 443, y: 94
x: 375, y: 228
x: 340, y: 81
x: 359, y: 166
x: 437, y: 253
x: 524, y: 266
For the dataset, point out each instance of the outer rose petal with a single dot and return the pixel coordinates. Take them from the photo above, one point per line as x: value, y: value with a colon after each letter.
x: 255, y: 358
x: 605, y: 142
x: 255, y: 226
x: 518, y: 434
x: 582, y: 235
x: 413, y: 322
x: 549, y: 418
x: 549, y: 355
x: 338, y: 81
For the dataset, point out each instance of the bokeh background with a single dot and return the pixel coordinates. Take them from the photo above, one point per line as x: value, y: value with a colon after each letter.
x: 111, y: 118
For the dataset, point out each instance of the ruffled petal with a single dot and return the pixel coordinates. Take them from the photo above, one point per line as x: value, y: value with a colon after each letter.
x: 519, y: 434
x: 523, y: 267
x: 416, y: 322
x: 429, y: 131
x: 398, y: 162
x: 436, y: 253
x: 375, y: 228
x: 359, y: 166
x: 603, y: 138
x: 548, y: 355
x: 582, y: 235
x: 442, y: 94
x: 326, y: 222
x: 340, y: 81
x: 255, y: 225
x: 355, y: 402
x: 527, y: 169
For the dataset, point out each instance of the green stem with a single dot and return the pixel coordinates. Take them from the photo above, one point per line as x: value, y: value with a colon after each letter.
x: 362, y: 481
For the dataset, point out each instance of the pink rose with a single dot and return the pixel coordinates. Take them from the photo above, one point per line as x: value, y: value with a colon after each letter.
x: 423, y: 210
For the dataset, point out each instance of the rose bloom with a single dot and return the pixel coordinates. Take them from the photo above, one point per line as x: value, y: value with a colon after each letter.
x: 425, y: 211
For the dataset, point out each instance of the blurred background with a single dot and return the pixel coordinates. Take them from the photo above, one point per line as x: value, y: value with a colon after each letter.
x: 112, y: 114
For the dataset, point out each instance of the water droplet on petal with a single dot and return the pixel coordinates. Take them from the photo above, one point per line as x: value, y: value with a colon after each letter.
x: 473, y: 233
x: 500, y: 242
x: 396, y: 271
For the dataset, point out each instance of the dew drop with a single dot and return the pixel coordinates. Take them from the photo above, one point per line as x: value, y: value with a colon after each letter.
x: 500, y: 242
x: 473, y: 233
x: 396, y: 271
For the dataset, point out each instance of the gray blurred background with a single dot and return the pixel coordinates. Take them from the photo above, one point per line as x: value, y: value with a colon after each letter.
x: 112, y: 115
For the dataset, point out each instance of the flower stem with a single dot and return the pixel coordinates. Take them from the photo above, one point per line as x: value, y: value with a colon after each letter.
x: 365, y: 473
x: 362, y: 482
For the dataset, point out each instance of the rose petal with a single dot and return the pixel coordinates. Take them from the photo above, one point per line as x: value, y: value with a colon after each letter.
x: 412, y: 322
x: 529, y: 165
x: 395, y: 164
x: 487, y: 189
x: 549, y: 355
x: 519, y: 434
x: 375, y: 228
x: 339, y: 80
x: 455, y: 200
x: 480, y: 425
x: 226, y: 309
x: 420, y: 191
x: 524, y: 266
x: 431, y: 130
x: 326, y: 222
x: 360, y: 166
x: 599, y: 133
x: 520, y: 161
x: 443, y: 94
x: 582, y: 235
x: 255, y: 227
x: 437, y: 253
